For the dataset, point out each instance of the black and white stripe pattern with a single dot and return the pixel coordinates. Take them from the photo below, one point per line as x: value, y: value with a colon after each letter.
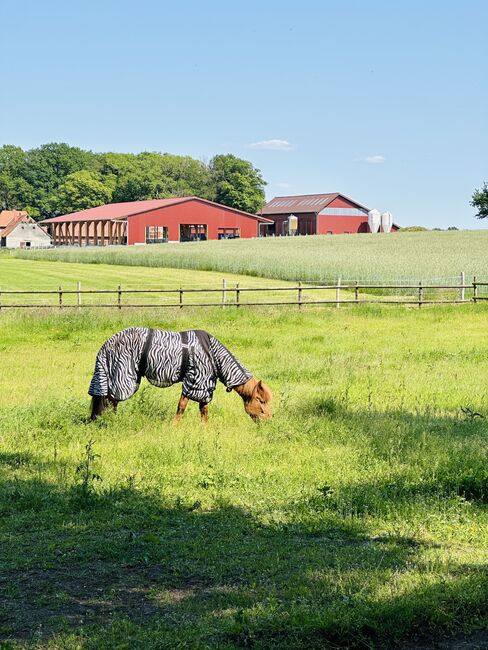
x: 119, y: 359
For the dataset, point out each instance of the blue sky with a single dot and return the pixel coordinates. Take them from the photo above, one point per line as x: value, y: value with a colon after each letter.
x: 386, y: 102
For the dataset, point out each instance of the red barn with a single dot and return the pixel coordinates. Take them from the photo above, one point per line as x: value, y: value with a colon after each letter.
x: 155, y: 221
x: 316, y: 214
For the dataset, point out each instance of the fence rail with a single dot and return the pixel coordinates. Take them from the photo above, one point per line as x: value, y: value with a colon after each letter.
x: 232, y: 296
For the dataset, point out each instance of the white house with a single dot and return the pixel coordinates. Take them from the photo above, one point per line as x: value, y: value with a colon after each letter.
x: 18, y: 230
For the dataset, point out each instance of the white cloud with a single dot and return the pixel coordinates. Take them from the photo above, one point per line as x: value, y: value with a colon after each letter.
x: 271, y: 145
x: 374, y: 160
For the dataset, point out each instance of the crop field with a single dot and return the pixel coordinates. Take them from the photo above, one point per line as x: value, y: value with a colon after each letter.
x: 355, y: 518
x: 422, y: 256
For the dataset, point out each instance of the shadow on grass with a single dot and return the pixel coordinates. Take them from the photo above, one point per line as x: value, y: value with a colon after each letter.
x: 125, y: 569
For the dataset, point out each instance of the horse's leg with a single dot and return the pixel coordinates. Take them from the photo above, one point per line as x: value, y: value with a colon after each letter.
x: 113, y: 402
x: 204, y: 412
x: 182, y: 404
x: 98, y: 406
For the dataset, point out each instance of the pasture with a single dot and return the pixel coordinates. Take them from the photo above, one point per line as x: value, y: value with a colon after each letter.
x: 366, y: 258
x: 39, y: 275
x: 356, y: 518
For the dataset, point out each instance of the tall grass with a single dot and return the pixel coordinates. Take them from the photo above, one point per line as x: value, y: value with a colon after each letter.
x: 367, y: 258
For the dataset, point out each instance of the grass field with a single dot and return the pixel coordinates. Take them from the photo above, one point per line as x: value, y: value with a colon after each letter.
x: 39, y: 275
x: 356, y: 518
x: 365, y: 258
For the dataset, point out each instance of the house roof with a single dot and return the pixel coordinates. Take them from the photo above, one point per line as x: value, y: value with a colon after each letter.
x: 114, y: 211
x: 303, y: 203
x: 5, y: 232
x: 6, y: 216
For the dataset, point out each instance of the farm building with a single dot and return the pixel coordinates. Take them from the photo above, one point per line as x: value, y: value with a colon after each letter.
x: 18, y: 230
x: 316, y: 214
x: 155, y: 221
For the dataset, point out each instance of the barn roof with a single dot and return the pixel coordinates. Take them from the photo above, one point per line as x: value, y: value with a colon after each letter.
x: 112, y: 211
x: 303, y: 203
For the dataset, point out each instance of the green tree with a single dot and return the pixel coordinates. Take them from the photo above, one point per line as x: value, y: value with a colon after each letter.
x: 150, y: 175
x: 79, y: 191
x: 238, y: 183
x: 15, y: 191
x: 479, y: 200
x: 48, y: 166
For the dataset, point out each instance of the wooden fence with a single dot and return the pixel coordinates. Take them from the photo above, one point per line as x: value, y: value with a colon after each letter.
x: 342, y: 294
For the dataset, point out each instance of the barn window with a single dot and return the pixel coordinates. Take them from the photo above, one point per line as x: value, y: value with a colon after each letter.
x: 229, y: 233
x: 193, y: 232
x: 156, y: 234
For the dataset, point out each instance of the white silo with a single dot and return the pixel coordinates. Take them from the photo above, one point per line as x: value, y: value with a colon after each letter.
x: 374, y: 220
x: 386, y: 221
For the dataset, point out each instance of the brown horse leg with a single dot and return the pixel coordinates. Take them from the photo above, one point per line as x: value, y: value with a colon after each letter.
x: 204, y: 412
x: 182, y: 404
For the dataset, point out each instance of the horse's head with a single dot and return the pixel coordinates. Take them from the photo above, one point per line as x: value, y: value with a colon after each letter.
x: 257, y: 402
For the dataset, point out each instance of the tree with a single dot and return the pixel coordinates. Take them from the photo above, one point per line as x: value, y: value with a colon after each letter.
x: 15, y: 191
x: 152, y: 175
x: 479, y: 200
x: 238, y: 183
x: 79, y: 191
x: 48, y: 166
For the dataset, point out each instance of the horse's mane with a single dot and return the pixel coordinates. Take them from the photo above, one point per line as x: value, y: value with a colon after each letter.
x: 246, y: 391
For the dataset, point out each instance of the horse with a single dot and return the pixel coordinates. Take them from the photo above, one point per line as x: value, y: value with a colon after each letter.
x: 194, y: 357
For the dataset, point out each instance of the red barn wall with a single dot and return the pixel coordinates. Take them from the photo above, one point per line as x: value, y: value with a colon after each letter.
x: 190, y: 212
x: 342, y: 223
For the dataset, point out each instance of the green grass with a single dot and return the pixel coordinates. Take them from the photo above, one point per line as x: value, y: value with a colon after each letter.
x: 356, y: 518
x: 38, y: 275
x: 365, y: 258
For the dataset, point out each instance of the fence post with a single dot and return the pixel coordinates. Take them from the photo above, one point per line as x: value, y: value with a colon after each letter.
x: 181, y: 298
x: 224, y: 292
x: 79, y: 293
x: 60, y: 297
x: 356, y: 292
x: 299, y: 295
x: 238, y: 293
x: 475, y: 290
x: 421, y: 294
x: 338, y: 293
x: 119, y: 297
x: 462, y: 293
x: 0, y: 301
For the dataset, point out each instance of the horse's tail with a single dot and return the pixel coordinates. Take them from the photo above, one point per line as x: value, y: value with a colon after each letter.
x: 98, y: 406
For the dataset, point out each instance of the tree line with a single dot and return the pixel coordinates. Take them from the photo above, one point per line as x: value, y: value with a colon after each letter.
x: 56, y: 179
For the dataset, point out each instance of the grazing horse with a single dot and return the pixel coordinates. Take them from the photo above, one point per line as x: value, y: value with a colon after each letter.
x: 195, y: 358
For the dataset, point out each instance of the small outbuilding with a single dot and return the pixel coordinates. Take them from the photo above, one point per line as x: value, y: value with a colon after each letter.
x: 154, y: 221
x: 18, y: 230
